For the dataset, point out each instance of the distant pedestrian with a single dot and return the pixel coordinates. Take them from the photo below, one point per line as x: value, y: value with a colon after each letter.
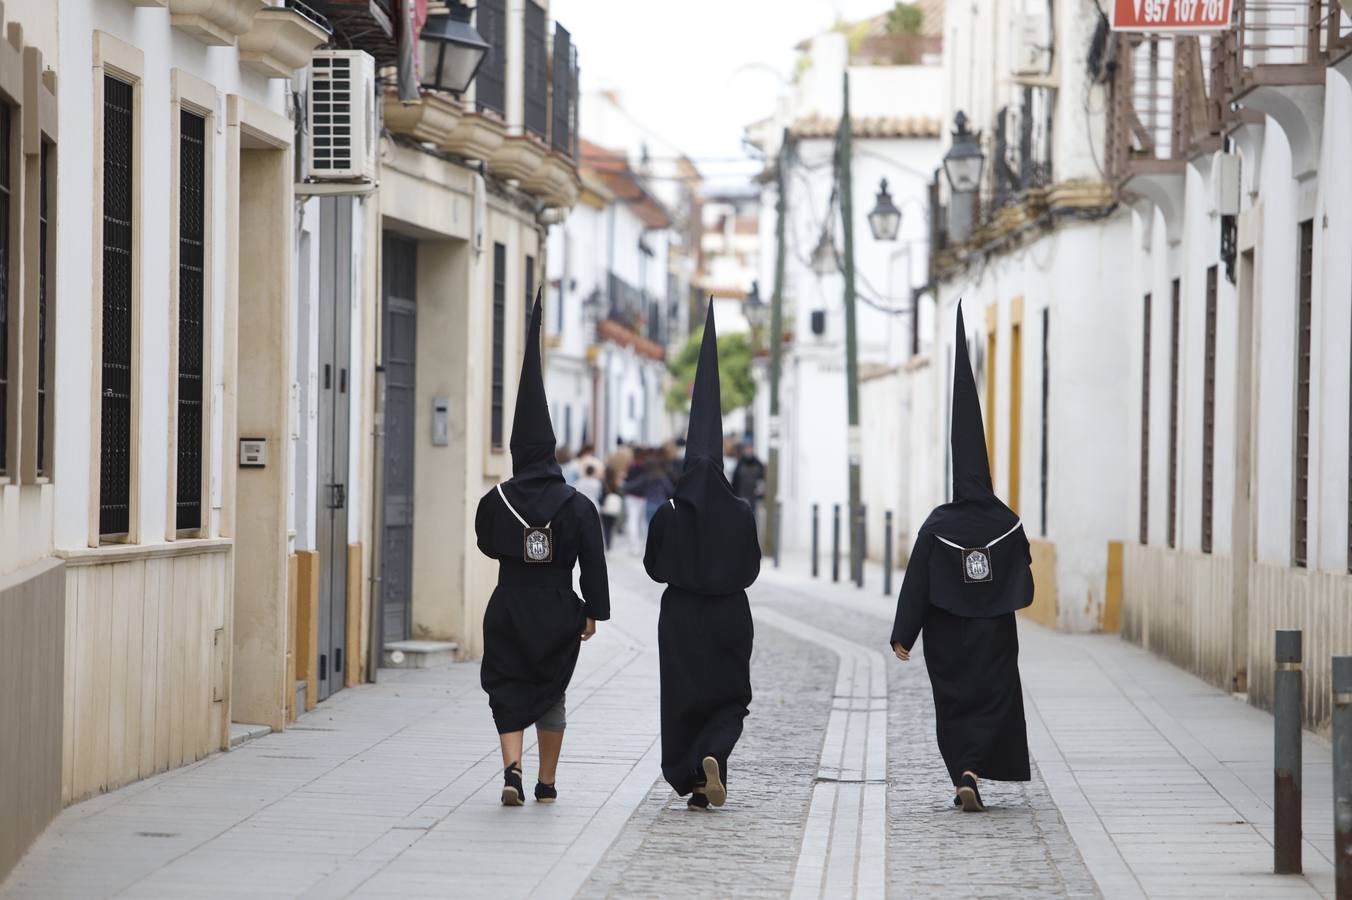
x: 589, y: 484
x: 748, y: 476
x: 969, y: 572
x: 569, y: 466
x: 635, y: 503
x: 612, y: 509
x: 702, y: 544
x: 537, y: 528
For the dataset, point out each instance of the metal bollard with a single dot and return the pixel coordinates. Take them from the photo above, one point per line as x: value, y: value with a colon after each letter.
x: 863, y: 543
x: 835, y: 542
x: 814, y: 540
x: 1342, y: 775
x: 1287, y: 684
x: 779, y: 523
x: 887, y: 553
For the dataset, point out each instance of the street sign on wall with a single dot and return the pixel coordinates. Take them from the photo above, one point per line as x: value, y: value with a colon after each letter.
x: 1171, y: 15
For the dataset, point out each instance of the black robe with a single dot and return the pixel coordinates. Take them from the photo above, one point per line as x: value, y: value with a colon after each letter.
x: 702, y: 544
x: 972, y: 659
x: 533, y: 621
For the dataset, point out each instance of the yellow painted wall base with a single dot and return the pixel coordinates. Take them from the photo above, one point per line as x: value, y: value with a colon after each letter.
x: 1043, y: 608
x: 356, y: 652
x: 307, y: 626
x: 1112, y: 601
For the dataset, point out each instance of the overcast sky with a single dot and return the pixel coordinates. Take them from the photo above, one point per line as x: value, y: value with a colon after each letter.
x: 682, y: 67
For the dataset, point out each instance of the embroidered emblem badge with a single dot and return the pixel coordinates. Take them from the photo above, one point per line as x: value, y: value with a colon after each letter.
x: 539, y: 545
x: 976, y: 566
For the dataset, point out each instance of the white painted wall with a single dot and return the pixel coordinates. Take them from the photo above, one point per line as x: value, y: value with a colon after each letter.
x: 165, y: 48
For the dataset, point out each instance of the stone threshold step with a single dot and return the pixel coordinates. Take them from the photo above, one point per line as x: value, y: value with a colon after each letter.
x: 418, y: 654
x: 241, y: 733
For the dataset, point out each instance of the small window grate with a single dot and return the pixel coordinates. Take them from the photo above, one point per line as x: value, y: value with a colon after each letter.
x: 1046, y: 396
x: 1301, y: 521
x: 5, y: 380
x: 490, y: 84
x: 1172, y: 510
x: 116, y: 412
x: 1209, y: 413
x: 536, y: 62
x: 1144, y: 536
x: 191, y: 318
x: 44, y: 354
x: 499, y: 331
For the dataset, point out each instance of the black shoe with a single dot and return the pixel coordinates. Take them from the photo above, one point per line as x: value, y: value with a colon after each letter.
x: 713, y: 783
x: 957, y: 801
x: 513, y: 793
x: 545, y: 793
x: 697, y: 801
x: 968, y: 796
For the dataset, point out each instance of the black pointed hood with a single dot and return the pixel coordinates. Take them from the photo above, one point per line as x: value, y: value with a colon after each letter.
x: 967, y: 437
x: 1000, y: 580
x: 537, y: 488
x: 708, y: 540
x: 704, y: 437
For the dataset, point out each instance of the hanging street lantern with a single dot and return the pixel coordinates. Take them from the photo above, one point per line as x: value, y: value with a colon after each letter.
x: 754, y: 308
x: 963, y: 162
x: 452, y: 50
x: 824, y: 255
x: 885, y: 219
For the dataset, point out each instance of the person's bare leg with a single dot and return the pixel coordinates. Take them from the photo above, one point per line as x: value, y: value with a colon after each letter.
x: 550, y: 746
x: 511, y: 748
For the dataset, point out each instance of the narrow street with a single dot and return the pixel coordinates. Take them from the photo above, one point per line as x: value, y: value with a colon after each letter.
x: 1146, y: 783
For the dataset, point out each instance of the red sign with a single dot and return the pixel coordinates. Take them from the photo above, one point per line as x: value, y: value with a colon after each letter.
x: 1171, y: 15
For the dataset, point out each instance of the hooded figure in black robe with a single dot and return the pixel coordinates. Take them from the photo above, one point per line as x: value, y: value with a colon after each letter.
x: 702, y: 544
x: 537, y: 528
x: 969, y: 571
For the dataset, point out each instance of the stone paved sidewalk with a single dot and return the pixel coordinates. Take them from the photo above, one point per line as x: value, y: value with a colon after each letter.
x: 1147, y: 783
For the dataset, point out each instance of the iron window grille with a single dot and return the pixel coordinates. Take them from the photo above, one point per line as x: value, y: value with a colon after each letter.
x: 44, y: 353
x: 536, y: 62
x: 1144, y: 535
x: 1301, y: 523
x: 1046, y: 395
x: 1209, y: 413
x: 116, y: 411
x: 1172, y: 511
x: 530, y: 296
x: 499, y: 328
x: 191, y: 317
x: 5, y: 262
x: 563, y: 112
x: 490, y: 85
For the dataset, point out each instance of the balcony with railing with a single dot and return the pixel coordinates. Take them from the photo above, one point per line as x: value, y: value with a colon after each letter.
x: 1288, y: 42
x: 521, y: 117
x: 632, y: 317
x: 370, y: 25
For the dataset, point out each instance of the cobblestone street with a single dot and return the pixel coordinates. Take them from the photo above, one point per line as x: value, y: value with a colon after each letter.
x: 1146, y: 783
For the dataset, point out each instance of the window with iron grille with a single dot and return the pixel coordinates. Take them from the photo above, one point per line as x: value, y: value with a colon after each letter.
x: 191, y: 308
x: 536, y: 64
x: 1145, y: 423
x: 490, y: 84
x: 44, y: 352
x: 561, y: 114
x: 1172, y: 511
x: 530, y: 293
x: 116, y: 411
x: 1209, y: 413
x: 5, y: 261
x: 1301, y: 518
x: 499, y: 330
x: 1046, y: 394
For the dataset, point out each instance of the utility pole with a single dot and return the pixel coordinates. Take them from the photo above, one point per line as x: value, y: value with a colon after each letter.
x: 772, y: 508
x: 851, y: 350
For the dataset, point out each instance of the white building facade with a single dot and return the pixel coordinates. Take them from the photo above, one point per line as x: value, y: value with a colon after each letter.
x: 1240, y: 331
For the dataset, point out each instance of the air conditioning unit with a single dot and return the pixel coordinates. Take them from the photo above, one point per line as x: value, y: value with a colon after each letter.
x: 1031, y: 51
x: 340, y: 117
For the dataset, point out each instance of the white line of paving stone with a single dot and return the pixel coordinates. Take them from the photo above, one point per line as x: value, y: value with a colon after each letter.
x: 844, y: 850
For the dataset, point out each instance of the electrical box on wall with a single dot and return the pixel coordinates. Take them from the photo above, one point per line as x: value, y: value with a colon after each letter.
x: 1225, y: 185
x: 441, y: 421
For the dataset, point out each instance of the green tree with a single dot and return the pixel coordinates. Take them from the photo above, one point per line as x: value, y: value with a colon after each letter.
x: 905, y: 18
x: 734, y: 373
